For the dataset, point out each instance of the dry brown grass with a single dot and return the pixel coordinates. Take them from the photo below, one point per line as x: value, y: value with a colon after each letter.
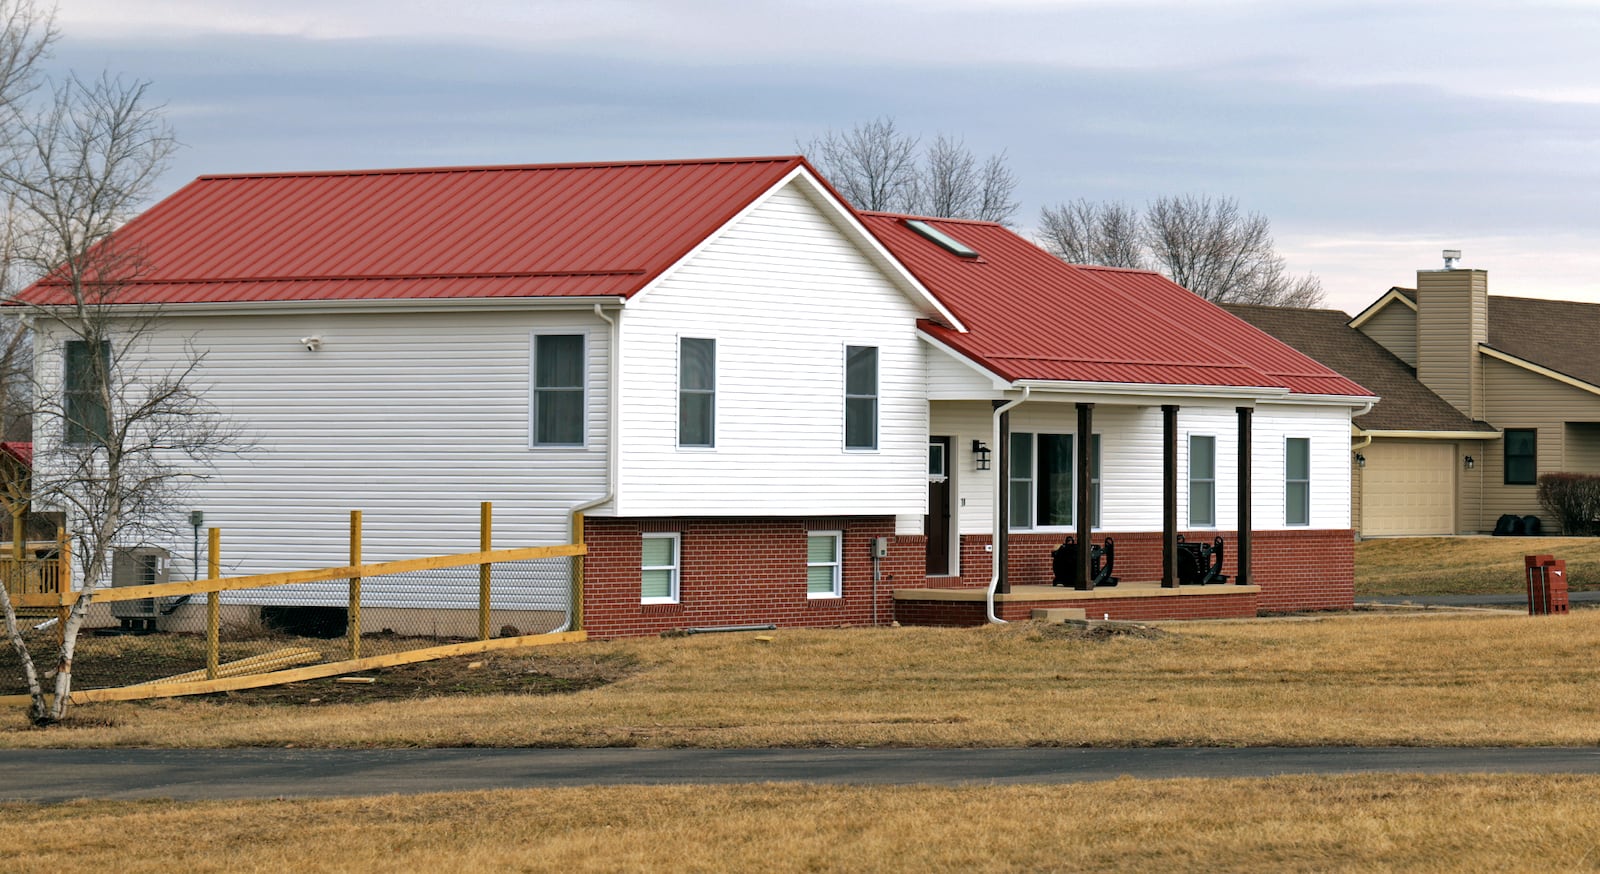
x: 1467, y: 565
x: 1358, y: 823
x: 1354, y: 679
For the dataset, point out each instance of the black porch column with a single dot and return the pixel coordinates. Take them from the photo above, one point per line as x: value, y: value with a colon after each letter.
x: 1003, y: 472
x: 1081, y: 575
x: 1169, y: 496
x: 1243, y: 577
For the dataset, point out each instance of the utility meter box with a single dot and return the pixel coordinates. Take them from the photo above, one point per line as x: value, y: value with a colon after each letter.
x: 880, y: 547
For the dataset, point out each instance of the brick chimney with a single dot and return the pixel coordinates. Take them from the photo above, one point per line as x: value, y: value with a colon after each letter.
x: 1452, y: 319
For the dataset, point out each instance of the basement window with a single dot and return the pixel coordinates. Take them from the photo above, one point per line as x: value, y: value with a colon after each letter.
x: 944, y: 240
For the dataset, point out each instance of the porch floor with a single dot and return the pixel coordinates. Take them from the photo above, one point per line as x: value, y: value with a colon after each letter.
x: 1066, y: 593
x: 1127, y: 601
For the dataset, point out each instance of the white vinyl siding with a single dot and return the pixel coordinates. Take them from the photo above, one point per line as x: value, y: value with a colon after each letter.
x: 412, y: 418
x: 823, y: 564
x: 784, y: 292
x: 1130, y: 459
x: 658, y: 569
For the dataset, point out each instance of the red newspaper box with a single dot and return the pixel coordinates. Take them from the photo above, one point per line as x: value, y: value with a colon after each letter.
x: 1547, y: 584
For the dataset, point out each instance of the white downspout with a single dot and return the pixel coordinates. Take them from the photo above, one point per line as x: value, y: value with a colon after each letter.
x: 994, y: 509
x: 613, y: 460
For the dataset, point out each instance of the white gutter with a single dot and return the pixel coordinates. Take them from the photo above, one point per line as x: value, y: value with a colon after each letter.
x: 614, y: 378
x: 994, y: 577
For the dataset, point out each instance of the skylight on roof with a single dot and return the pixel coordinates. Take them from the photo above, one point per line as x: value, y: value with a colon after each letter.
x: 943, y: 239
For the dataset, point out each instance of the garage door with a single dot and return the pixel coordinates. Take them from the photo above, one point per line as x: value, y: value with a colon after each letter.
x: 1408, y: 488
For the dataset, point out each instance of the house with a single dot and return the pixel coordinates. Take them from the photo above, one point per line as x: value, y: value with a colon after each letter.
x: 1481, y: 394
x: 767, y: 406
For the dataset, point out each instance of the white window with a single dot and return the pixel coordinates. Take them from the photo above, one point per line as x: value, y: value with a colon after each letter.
x: 697, y: 392
x: 861, y: 397
x: 84, y: 404
x: 1297, y: 481
x: 1202, y: 480
x: 823, y: 565
x: 1043, y: 480
x: 558, y: 368
x: 658, y: 569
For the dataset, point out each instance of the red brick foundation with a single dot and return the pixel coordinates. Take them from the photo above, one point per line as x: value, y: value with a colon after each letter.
x: 753, y: 572
x: 970, y: 613
x: 742, y: 572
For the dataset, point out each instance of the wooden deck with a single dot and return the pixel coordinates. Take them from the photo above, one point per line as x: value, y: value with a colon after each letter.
x: 1128, y: 601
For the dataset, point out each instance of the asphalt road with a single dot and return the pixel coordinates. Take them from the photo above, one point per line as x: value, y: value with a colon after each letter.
x: 51, y: 776
x: 1518, y: 601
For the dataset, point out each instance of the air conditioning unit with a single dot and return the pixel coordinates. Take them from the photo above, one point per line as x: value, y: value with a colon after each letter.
x: 139, y: 566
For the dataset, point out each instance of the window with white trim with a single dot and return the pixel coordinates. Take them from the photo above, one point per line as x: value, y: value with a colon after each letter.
x: 697, y: 392
x: 1297, y: 481
x: 1044, y: 477
x: 1202, y: 480
x: 658, y: 569
x: 824, y: 565
x: 861, y: 397
x: 558, y: 393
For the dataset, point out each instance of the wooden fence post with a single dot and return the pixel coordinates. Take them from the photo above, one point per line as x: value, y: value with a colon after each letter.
x: 485, y: 538
x: 213, y: 604
x: 353, y: 620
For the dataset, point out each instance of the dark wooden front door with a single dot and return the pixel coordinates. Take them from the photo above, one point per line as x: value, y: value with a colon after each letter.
x: 937, y: 523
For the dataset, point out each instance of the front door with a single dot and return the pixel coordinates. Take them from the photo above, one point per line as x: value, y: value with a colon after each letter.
x: 937, y: 523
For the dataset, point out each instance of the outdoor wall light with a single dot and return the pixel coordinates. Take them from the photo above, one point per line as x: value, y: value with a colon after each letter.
x: 980, y: 451
x: 1361, y: 460
x: 1469, y: 462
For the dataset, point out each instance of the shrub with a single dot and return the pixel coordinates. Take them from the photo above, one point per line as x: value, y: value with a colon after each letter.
x: 1574, y: 499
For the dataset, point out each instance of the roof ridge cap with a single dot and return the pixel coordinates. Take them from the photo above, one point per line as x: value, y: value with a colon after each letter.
x: 500, y: 168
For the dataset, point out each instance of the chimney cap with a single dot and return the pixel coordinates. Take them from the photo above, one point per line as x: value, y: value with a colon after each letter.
x: 1451, y: 256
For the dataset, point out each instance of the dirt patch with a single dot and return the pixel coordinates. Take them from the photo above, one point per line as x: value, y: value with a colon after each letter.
x: 1093, y: 631
x: 484, y: 674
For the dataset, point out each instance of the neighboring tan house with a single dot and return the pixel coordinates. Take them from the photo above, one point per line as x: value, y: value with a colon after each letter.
x: 1481, y: 395
x: 770, y: 407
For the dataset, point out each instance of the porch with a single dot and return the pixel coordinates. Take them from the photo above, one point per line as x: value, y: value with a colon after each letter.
x: 1132, y: 601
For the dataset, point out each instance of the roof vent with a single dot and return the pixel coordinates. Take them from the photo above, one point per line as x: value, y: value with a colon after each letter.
x: 1451, y: 256
x: 944, y: 240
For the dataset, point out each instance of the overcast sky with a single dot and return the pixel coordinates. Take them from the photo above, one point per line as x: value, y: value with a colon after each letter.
x: 1373, y: 134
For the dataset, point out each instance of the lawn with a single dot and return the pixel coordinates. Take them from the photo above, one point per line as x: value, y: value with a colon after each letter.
x: 1467, y: 565
x: 1348, y: 823
x: 1343, y: 679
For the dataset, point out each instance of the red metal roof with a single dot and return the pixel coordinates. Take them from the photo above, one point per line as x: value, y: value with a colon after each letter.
x: 21, y: 450
x: 567, y: 230
x: 1030, y: 315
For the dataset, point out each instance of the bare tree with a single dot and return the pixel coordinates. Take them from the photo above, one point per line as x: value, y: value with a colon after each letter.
x: 873, y: 165
x: 1090, y: 232
x: 877, y: 167
x: 119, y: 437
x: 1205, y: 244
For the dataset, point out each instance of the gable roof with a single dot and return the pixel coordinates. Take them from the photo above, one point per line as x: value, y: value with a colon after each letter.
x: 544, y: 230
x: 1404, y: 404
x: 1524, y: 327
x: 1031, y: 316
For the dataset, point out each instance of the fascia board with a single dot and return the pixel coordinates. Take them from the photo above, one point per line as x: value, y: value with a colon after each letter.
x: 1431, y: 435
x: 1145, y: 392
x: 839, y: 216
x: 1389, y: 297
x: 1529, y: 366
x: 999, y: 382
x: 320, y: 307
x: 1327, y: 400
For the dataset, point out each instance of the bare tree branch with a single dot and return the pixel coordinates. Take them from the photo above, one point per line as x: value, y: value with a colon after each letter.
x: 1205, y: 244
x: 119, y: 437
x: 877, y: 167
